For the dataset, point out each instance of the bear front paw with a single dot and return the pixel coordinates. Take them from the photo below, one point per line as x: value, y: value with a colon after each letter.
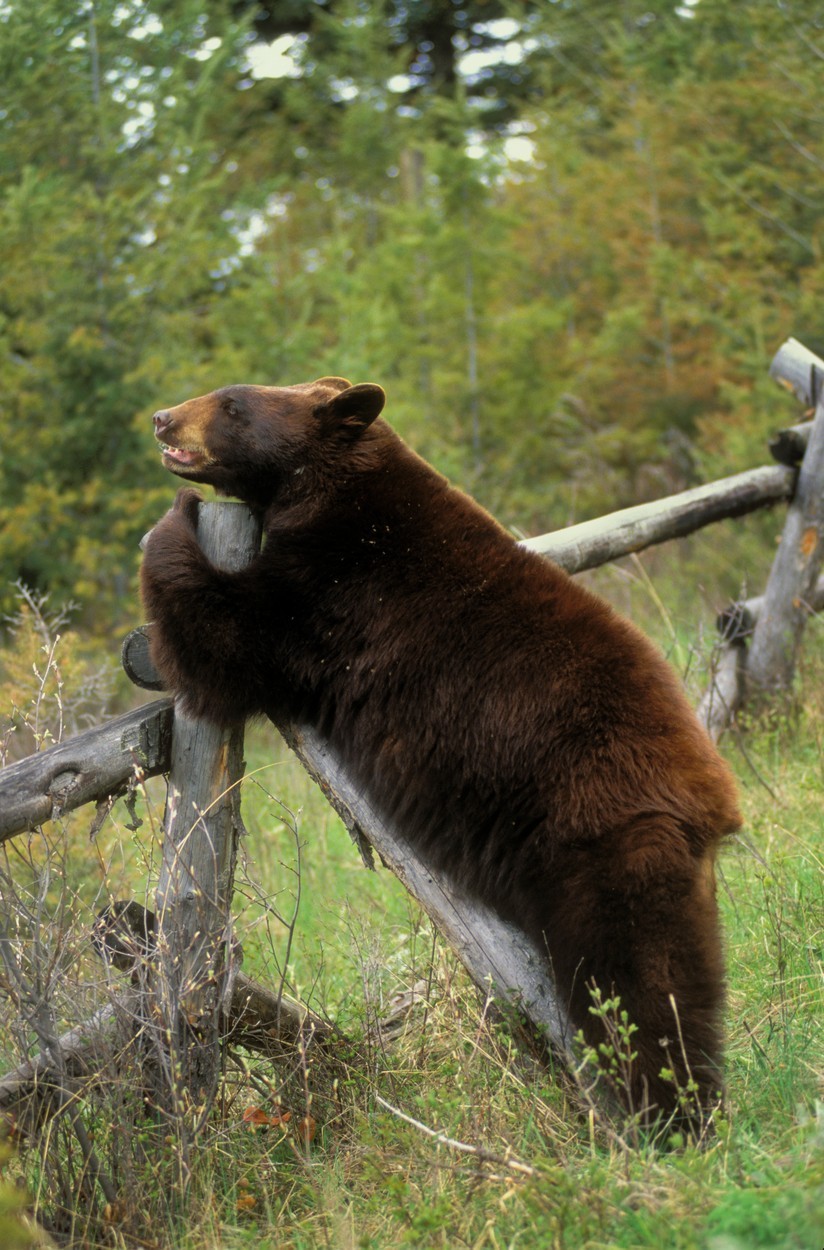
x: 187, y: 502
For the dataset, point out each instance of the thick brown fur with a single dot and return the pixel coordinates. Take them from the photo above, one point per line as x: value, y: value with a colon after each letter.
x: 527, y: 740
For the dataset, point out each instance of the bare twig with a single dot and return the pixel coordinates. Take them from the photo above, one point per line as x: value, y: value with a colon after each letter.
x: 480, y: 1152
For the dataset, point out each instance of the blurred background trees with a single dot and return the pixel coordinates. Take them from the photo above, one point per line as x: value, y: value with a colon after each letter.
x: 566, y: 236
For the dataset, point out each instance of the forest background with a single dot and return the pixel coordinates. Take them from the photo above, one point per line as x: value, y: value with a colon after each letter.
x: 566, y: 237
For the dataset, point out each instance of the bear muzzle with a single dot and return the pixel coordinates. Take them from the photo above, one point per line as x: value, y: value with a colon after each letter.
x: 176, y: 457
x: 162, y: 422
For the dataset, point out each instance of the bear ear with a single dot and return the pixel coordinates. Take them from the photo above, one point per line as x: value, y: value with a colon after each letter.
x: 354, y: 409
x: 332, y: 384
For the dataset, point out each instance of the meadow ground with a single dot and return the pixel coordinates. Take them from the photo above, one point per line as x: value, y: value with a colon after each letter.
x: 527, y: 1163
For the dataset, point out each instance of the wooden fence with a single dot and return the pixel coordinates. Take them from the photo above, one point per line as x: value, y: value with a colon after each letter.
x: 193, y: 989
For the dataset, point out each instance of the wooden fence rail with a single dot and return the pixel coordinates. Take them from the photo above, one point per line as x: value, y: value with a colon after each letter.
x: 593, y: 543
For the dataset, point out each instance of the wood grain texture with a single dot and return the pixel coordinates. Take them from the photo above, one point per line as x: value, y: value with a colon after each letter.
x: 501, y: 959
x: 86, y: 768
x: 606, y: 538
x: 799, y: 370
x: 792, y: 581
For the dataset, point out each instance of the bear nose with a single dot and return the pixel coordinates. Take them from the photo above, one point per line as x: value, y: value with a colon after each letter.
x: 162, y: 421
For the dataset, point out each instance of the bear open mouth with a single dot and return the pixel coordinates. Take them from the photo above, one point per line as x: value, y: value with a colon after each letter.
x: 181, y: 457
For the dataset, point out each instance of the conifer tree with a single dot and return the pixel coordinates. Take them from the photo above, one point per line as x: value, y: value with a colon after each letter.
x: 115, y: 173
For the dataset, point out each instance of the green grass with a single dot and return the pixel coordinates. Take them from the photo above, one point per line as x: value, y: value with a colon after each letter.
x: 371, y: 1179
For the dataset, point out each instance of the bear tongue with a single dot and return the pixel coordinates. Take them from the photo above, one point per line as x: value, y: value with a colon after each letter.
x: 180, y: 455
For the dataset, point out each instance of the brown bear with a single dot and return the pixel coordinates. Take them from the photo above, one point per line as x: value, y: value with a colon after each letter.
x: 530, y: 743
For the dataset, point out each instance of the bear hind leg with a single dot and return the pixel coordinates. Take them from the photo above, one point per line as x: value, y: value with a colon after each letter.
x: 653, y: 944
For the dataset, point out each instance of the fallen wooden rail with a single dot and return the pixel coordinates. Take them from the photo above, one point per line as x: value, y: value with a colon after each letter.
x: 499, y: 957
x: 256, y: 1018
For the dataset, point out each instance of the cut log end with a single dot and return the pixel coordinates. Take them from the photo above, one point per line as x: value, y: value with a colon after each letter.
x: 798, y: 369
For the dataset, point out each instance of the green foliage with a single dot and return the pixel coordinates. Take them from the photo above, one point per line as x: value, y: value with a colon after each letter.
x: 114, y: 178
x: 562, y: 334
x: 769, y: 1215
x: 14, y: 1234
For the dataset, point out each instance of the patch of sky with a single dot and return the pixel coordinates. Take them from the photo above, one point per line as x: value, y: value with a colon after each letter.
x: 249, y: 227
x: 474, y: 62
x: 279, y: 59
x: 140, y: 125
x: 206, y: 50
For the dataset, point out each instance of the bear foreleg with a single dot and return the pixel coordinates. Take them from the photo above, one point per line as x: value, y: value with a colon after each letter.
x: 205, y: 634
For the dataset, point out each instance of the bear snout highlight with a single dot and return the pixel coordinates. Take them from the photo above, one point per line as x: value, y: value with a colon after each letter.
x: 161, y: 421
x: 185, y: 426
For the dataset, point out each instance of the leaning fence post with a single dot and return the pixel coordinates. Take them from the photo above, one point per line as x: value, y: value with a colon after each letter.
x: 791, y: 584
x: 201, y: 826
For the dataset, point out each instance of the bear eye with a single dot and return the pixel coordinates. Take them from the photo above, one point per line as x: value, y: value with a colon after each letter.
x: 230, y: 408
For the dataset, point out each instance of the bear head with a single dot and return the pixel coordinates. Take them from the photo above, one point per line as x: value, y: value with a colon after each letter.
x: 253, y: 441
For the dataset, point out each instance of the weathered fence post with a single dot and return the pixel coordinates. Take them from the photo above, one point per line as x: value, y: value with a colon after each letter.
x: 201, y: 827
x: 727, y: 687
x: 791, y: 584
x: 722, y: 698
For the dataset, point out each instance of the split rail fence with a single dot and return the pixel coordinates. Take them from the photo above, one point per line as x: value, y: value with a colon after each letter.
x: 193, y: 993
